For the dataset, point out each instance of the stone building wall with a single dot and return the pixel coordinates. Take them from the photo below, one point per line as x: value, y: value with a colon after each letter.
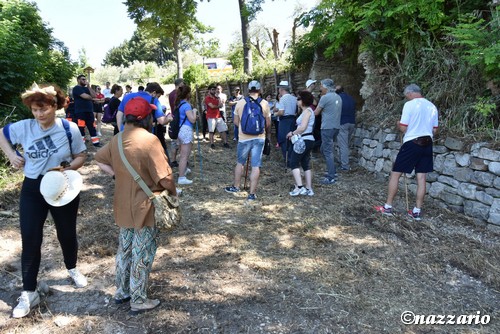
x: 464, y: 180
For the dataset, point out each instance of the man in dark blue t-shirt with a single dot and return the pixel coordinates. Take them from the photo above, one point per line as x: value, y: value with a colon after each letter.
x: 84, y: 95
x: 347, y: 123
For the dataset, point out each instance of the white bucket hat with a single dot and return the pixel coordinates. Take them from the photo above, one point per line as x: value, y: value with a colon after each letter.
x: 60, y: 188
x: 310, y: 82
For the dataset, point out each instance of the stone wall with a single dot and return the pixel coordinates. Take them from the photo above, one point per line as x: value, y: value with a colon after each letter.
x: 464, y: 180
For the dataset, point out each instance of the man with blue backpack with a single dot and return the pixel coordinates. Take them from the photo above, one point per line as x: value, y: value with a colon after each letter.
x: 253, y: 118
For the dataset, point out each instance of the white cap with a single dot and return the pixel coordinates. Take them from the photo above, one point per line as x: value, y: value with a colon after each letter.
x: 253, y: 85
x: 60, y: 188
x: 310, y: 82
x: 283, y: 83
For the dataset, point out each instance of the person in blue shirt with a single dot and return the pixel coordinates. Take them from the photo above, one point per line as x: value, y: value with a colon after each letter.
x: 347, y: 123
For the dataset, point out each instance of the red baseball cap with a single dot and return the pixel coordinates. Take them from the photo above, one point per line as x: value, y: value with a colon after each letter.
x: 138, y: 107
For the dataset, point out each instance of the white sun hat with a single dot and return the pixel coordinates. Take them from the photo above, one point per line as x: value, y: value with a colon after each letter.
x: 283, y: 83
x: 310, y: 82
x: 60, y: 188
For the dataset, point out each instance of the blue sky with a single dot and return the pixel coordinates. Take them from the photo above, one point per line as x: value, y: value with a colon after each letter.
x: 98, y: 25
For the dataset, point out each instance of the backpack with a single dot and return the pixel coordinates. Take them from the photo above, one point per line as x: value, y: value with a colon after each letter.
x: 175, y: 125
x: 252, y: 118
x: 108, y: 115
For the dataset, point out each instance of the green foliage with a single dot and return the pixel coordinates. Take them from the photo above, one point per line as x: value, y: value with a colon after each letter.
x: 28, y: 53
x: 136, y: 73
x: 196, y: 75
x: 141, y: 47
x: 477, y: 42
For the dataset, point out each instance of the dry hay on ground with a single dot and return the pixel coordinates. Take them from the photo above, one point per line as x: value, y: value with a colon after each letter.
x: 325, y: 264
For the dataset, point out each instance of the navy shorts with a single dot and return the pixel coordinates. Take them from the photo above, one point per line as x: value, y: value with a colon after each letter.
x: 413, y: 156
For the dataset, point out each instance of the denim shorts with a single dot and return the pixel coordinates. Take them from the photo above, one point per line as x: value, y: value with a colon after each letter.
x: 252, y: 146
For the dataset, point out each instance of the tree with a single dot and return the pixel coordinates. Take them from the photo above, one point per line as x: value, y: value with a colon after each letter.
x: 28, y: 51
x: 177, y: 22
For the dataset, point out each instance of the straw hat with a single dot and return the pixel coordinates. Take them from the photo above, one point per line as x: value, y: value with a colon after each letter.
x: 60, y: 188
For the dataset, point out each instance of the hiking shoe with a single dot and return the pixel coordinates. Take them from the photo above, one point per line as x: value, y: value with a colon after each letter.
x: 78, y: 278
x: 415, y: 215
x: 251, y: 197
x: 385, y: 211
x: 327, y: 180
x: 174, y: 164
x: 308, y: 192
x: 298, y: 191
x: 212, y: 146
x: 27, y: 300
x: 184, y: 180
x: 232, y: 189
x: 226, y: 145
x: 148, y: 304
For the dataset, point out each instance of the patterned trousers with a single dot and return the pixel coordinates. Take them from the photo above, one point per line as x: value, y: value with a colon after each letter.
x: 134, y: 259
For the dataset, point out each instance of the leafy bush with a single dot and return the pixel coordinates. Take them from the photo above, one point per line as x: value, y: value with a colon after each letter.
x: 196, y: 75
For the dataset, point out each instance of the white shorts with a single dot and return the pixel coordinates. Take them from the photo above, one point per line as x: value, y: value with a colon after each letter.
x: 216, y: 123
x: 185, y: 135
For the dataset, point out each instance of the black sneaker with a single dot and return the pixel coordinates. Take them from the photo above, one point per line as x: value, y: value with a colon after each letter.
x: 232, y: 189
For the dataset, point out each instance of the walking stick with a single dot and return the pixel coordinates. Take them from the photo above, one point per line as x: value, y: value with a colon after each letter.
x: 246, y: 171
x: 199, y: 150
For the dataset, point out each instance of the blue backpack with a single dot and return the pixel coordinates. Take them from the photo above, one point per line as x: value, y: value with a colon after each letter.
x: 253, y: 121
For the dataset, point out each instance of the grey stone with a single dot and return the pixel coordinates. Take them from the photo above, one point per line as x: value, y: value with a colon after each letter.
x: 439, y: 149
x: 370, y: 166
x: 388, y: 130
x: 437, y: 188
x: 432, y: 176
x: 366, y: 141
x: 378, y: 150
x: 449, y: 161
x: 476, y: 209
x: 493, y: 192
x: 379, y: 136
x: 467, y: 190
x: 373, y: 143
x: 390, y: 137
x: 367, y: 152
x: 454, y: 144
x: 462, y: 174
x: 362, y: 162
x: 494, y: 167
x: 449, y: 181
x: 456, y: 208
x: 496, y: 182
x: 379, y: 165
x: 462, y: 159
x: 358, y: 142
x: 475, y: 147
x: 482, y: 178
x: 386, y: 153
x: 451, y: 198
x: 387, y: 166
x: 486, y: 153
x: 483, y: 197
x: 394, y: 154
x: 439, y: 163
x: 412, y: 188
x: 394, y: 145
x: 494, y: 217
x: 478, y: 164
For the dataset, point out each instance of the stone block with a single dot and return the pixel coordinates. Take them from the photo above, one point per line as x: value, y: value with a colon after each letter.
x: 494, y: 167
x: 367, y: 152
x: 373, y: 143
x: 467, y: 190
x: 386, y: 153
x: 496, y: 182
x: 437, y: 188
x: 412, y: 188
x: 449, y: 181
x: 367, y: 141
x: 390, y: 137
x: 358, y: 142
x: 482, y: 178
x: 370, y: 166
x: 432, y: 177
x: 462, y: 174
x: 379, y: 150
x: 488, y: 154
x: 439, y: 162
x: 462, y: 159
x: 483, y: 197
x: 379, y: 165
x: 478, y: 164
x: 394, y: 145
x: 451, y: 199
x: 476, y: 147
x: 476, y: 209
x: 449, y: 161
x: 362, y: 162
x: 454, y: 144
x: 493, y: 192
x: 394, y: 154
x: 494, y: 212
x: 439, y: 149
x: 387, y: 166
x: 379, y: 136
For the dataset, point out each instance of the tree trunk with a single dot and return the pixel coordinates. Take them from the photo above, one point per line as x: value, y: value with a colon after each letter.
x: 247, y: 51
x: 178, y: 56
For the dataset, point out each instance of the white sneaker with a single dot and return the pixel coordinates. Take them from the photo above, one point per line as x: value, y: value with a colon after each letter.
x: 27, y: 300
x: 78, y: 278
x: 184, y: 180
x: 188, y: 171
x: 308, y: 192
x: 298, y: 191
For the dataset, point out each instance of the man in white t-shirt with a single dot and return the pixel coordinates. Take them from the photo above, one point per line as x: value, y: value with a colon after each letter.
x: 419, y: 123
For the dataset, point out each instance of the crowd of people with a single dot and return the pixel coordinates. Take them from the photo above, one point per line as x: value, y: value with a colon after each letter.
x: 53, y: 149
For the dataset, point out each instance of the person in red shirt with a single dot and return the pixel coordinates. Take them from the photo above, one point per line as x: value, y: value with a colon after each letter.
x: 98, y: 109
x: 214, y: 119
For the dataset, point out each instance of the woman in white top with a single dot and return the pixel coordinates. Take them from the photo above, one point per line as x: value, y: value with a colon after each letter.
x: 304, y: 131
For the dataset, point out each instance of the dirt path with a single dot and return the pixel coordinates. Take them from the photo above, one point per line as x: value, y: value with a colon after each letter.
x: 326, y: 264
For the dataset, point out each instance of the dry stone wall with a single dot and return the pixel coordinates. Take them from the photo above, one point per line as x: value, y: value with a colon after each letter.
x: 464, y: 180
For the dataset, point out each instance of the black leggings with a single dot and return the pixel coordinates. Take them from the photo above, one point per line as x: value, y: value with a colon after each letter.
x: 33, y: 212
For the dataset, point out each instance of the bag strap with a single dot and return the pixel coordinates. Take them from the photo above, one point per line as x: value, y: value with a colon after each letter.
x: 137, y: 178
x: 65, y: 124
x: 185, y: 116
